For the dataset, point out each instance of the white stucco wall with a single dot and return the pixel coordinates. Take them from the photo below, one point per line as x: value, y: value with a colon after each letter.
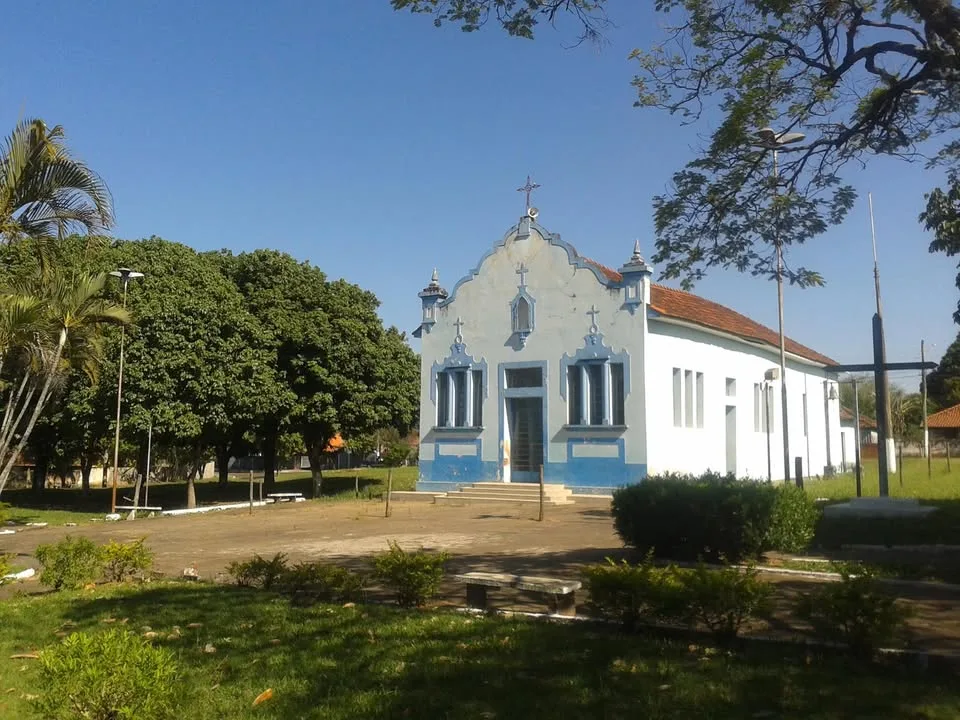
x: 684, y: 449
x: 563, y: 293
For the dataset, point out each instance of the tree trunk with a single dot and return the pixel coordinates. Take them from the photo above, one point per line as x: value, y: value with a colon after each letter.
x: 269, y: 458
x: 86, y: 465
x: 315, y: 453
x: 37, y: 409
x: 40, y: 469
x: 191, y: 491
x: 223, y: 465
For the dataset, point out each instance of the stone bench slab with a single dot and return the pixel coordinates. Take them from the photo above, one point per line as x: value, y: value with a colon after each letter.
x: 520, y: 582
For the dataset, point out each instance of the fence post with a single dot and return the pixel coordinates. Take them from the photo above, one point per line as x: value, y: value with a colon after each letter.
x: 389, y: 489
x: 356, y: 485
x: 540, y: 517
x: 900, y: 462
x: 251, y: 490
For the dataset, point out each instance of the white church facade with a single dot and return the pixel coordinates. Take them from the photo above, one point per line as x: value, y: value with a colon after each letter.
x: 541, y: 358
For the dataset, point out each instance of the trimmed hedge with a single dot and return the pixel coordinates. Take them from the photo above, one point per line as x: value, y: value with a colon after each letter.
x: 714, y: 517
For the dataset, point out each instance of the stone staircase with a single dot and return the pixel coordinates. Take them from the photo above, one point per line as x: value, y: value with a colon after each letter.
x: 490, y: 492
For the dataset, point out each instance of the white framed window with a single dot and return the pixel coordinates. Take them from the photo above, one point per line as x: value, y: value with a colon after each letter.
x: 595, y: 393
x: 460, y: 397
x: 688, y: 398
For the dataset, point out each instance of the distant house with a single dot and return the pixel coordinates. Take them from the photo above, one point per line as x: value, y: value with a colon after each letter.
x: 848, y: 434
x: 944, y: 425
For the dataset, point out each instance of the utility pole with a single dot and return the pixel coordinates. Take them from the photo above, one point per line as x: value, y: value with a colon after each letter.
x: 880, y: 373
x: 926, y: 430
x: 856, y: 414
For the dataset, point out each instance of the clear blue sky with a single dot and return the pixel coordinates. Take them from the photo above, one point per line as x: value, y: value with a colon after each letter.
x: 378, y: 147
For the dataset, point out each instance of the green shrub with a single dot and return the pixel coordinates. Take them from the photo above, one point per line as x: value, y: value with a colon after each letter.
x: 4, y: 512
x: 794, y: 520
x: 323, y: 582
x: 122, y: 561
x: 5, y: 566
x: 71, y: 563
x: 258, y: 572
x: 113, y: 675
x: 686, y: 517
x: 630, y: 594
x: 723, y: 600
x: 854, y: 612
x: 414, y: 576
x: 396, y: 454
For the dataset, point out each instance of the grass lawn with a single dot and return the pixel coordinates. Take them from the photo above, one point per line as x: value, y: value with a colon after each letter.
x: 57, y: 506
x: 377, y: 662
x: 942, y: 484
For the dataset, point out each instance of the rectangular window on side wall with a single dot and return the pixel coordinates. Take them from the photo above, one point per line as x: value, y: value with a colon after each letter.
x: 806, y: 428
x: 731, y: 387
x: 770, y: 411
x: 443, y: 399
x: 574, y: 395
x: 699, y: 400
x: 758, y: 413
x: 688, y: 397
x: 477, y: 398
x: 677, y: 398
x: 617, y: 393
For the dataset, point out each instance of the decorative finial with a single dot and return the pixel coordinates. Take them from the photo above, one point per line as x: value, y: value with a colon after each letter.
x: 636, y: 257
x: 435, y: 279
x: 528, y: 188
x: 459, y: 324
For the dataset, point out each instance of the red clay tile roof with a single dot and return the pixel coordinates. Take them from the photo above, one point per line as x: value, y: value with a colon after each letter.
x: 948, y: 418
x: 865, y: 422
x: 681, y: 305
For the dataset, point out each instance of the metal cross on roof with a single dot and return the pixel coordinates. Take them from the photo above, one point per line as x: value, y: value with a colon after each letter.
x: 459, y: 325
x: 522, y: 272
x: 593, y: 312
x: 528, y: 188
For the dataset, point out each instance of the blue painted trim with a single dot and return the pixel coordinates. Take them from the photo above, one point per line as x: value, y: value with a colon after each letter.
x: 456, y: 469
x: 504, y: 394
x: 573, y: 257
x: 594, y: 350
x: 457, y: 359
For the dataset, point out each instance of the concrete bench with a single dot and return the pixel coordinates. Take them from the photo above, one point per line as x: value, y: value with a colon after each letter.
x: 559, y: 594
x: 286, y: 497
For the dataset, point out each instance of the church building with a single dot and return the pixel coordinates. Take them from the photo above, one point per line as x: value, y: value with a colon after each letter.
x: 540, y: 358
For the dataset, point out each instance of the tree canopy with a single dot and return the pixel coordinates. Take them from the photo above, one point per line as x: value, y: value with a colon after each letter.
x: 858, y: 78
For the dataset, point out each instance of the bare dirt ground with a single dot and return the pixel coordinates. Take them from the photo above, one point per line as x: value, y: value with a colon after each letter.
x: 478, y: 537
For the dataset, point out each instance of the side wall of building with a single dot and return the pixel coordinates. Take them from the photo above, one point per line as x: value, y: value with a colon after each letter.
x: 731, y: 375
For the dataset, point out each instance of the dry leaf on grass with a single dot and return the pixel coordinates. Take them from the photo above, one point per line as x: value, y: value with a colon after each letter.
x: 25, y: 656
x: 263, y: 697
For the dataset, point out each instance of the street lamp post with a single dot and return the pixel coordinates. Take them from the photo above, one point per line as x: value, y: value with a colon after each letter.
x: 125, y: 275
x: 770, y: 140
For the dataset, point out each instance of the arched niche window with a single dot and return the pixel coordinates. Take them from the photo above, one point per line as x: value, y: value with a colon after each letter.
x: 521, y: 316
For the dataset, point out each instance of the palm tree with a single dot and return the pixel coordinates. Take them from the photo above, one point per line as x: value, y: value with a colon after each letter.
x: 44, y: 192
x: 48, y: 324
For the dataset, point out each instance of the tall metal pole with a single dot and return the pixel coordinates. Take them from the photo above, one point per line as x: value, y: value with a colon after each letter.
x: 856, y: 413
x: 880, y: 372
x: 116, y: 437
x: 766, y: 420
x: 783, y: 355
x: 926, y: 430
x: 146, y: 480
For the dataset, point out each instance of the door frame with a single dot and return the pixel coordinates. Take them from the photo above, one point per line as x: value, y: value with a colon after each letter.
x: 505, y: 394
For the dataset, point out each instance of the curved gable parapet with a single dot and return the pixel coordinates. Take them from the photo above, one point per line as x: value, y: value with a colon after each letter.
x: 573, y: 257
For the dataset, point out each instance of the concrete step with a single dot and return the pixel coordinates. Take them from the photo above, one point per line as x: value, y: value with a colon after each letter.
x: 529, y: 488
x: 515, y: 490
x: 509, y: 496
x: 462, y: 498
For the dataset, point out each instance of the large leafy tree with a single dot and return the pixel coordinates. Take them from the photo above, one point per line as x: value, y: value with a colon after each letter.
x: 858, y: 77
x: 45, y: 192
x: 197, y: 362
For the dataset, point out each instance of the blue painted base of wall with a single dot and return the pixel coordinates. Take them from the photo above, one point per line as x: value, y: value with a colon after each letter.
x: 450, y: 473
x: 594, y: 475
